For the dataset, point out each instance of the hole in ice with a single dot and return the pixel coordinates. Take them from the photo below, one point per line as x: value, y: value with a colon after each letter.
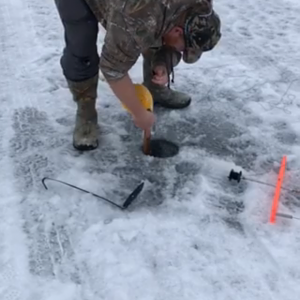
x: 162, y: 148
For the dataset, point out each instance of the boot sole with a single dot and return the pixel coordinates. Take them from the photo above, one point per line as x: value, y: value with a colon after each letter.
x: 85, y: 147
x: 184, y: 105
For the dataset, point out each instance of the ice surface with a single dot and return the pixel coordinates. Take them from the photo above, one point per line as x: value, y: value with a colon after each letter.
x: 191, y: 234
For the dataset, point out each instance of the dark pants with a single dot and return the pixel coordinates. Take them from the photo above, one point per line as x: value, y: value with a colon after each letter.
x: 80, y: 59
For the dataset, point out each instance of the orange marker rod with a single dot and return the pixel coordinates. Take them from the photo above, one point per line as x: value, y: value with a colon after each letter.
x: 277, y: 191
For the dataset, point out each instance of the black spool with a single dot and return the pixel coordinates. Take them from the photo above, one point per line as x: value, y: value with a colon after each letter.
x: 235, y: 176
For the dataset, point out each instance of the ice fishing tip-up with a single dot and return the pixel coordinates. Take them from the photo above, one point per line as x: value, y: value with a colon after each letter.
x: 238, y: 176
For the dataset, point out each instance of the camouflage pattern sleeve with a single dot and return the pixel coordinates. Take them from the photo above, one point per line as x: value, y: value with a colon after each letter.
x: 166, y: 56
x: 119, y: 52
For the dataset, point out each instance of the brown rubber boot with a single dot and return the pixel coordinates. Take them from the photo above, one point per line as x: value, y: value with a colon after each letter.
x: 162, y: 95
x: 85, y: 135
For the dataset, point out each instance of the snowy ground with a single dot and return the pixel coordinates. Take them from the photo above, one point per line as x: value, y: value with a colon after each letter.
x: 191, y: 234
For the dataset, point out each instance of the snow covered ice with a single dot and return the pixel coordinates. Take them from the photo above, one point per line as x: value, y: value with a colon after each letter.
x: 191, y: 234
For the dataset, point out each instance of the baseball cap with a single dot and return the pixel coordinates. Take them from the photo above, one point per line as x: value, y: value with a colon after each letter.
x: 202, y: 33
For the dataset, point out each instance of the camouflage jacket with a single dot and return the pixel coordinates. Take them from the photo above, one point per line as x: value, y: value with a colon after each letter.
x: 134, y: 26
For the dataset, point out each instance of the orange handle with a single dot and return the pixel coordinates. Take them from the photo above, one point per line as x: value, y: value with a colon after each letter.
x: 277, y: 191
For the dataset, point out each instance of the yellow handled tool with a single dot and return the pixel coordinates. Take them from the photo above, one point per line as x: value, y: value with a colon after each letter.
x: 146, y: 99
x: 144, y: 96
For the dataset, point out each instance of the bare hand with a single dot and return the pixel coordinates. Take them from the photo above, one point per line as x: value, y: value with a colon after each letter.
x: 144, y: 120
x: 161, y: 76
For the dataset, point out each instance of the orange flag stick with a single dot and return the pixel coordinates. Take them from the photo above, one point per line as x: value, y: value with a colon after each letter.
x: 277, y: 191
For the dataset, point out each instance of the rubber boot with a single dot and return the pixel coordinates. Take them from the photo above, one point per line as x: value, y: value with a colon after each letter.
x: 85, y: 135
x: 162, y: 95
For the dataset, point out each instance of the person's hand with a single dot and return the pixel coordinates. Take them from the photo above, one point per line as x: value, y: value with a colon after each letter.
x: 160, y: 76
x: 144, y: 120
